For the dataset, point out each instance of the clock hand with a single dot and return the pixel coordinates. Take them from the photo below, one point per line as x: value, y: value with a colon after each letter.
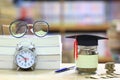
x: 22, y: 56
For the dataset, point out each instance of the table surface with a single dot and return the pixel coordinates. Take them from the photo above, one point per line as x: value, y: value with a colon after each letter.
x: 51, y: 75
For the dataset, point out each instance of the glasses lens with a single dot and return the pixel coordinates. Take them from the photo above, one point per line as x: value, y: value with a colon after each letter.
x: 40, y: 28
x: 18, y: 28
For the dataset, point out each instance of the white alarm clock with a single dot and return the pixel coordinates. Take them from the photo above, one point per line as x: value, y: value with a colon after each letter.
x: 25, y: 56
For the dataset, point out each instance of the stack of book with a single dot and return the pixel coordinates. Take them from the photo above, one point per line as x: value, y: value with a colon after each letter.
x: 48, y: 50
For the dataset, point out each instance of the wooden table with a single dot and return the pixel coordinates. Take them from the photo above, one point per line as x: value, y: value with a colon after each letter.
x: 51, y: 75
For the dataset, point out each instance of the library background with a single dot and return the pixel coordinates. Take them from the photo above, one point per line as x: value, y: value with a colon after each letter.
x: 69, y: 17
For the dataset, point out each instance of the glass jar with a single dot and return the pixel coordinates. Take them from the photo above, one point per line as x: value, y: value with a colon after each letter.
x: 87, y: 60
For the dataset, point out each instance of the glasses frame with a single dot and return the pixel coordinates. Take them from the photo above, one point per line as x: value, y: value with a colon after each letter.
x: 41, y: 22
x: 26, y: 28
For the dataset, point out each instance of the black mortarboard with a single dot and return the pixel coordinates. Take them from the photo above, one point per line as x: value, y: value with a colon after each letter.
x: 87, y: 40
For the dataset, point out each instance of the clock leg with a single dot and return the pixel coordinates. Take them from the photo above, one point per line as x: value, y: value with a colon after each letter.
x: 18, y: 68
x: 32, y: 68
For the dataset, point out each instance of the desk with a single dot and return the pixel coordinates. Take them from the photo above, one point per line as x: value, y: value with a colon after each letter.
x: 50, y: 75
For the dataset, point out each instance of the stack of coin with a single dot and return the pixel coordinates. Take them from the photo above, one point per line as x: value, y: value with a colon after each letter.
x: 110, y: 67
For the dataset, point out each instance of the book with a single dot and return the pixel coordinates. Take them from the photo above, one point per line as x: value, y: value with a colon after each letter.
x: 39, y: 50
x: 43, y: 62
x: 53, y: 40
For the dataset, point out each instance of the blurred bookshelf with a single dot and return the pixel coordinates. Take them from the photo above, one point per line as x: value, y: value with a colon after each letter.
x: 63, y: 15
x: 72, y: 16
x: 81, y: 28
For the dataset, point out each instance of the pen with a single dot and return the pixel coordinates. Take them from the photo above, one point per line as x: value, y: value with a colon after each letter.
x: 64, y: 69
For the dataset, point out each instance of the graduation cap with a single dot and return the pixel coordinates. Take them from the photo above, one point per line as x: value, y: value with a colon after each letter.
x: 87, y: 40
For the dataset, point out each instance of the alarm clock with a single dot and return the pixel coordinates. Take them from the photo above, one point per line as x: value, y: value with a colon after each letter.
x: 25, y: 56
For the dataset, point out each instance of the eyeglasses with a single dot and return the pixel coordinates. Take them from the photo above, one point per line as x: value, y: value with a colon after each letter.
x: 19, y: 28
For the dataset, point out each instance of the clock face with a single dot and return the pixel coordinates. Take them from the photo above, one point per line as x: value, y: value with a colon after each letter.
x: 25, y: 59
